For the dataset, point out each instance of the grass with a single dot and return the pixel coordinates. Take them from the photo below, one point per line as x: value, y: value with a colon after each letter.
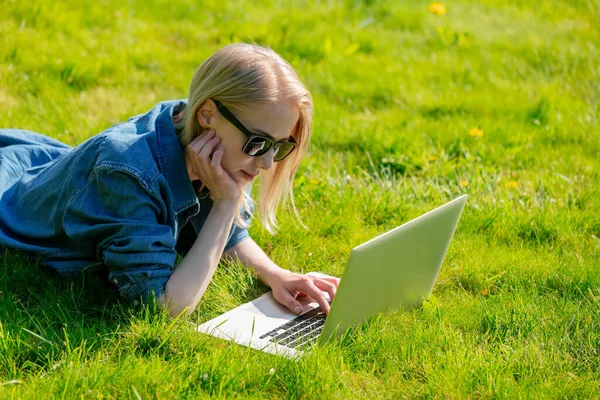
x: 516, y: 310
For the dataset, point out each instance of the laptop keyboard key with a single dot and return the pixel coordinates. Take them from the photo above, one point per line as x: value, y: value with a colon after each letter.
x: 300, y: 331
x: 305, y: 340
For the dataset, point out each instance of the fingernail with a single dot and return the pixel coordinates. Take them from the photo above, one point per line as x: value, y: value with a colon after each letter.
x: 298, y: 309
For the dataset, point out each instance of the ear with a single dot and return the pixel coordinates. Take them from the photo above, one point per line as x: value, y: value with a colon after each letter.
x: 206, y: 112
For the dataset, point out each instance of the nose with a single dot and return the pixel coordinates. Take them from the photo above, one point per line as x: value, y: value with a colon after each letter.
x: 266, y: 160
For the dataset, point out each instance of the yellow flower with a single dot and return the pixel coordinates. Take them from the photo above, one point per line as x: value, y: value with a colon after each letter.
x: 512, y: 184
x: 433, y: 158
x: 476, y: 132
x: 463, y: 183
x: 314, y: 181
x: 437, y: 8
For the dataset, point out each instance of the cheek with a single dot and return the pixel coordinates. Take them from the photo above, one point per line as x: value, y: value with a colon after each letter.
x: 233, y: 157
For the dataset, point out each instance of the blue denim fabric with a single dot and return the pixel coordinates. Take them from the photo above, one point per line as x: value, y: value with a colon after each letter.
x: 116, y: 202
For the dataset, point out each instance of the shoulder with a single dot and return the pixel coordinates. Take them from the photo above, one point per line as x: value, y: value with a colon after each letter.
x: 123, y: 147
x: 133, y: 146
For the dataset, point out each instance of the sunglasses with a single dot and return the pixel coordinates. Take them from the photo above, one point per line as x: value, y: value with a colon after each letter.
x: 257, y: 145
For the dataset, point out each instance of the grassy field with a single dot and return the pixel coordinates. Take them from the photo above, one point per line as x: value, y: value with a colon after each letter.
x: 496, y: 100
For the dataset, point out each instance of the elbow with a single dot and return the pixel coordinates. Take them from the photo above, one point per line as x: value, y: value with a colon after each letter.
x: 176, y: 312
x: 176, y: 305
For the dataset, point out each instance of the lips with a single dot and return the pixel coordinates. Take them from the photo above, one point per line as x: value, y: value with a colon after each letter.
x: 248, y: 175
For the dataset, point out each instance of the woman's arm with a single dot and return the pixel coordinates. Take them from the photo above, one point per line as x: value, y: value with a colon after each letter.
x: 189, y: 280
x: 286, y: 285
x: 250, y: 255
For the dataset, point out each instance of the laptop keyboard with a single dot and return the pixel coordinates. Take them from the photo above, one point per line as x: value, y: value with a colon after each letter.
x: 300, y: 332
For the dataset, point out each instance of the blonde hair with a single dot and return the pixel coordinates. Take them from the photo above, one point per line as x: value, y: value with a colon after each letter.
x: 244, y: 75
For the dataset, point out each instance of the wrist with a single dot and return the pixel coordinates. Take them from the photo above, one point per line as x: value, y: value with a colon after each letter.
x: 225, y: 205
x: 269, y: 273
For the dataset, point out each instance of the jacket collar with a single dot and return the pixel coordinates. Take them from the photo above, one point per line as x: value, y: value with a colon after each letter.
x: 171, y: 160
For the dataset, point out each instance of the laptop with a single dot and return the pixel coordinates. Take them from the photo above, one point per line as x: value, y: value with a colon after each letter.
x: 396, y: 270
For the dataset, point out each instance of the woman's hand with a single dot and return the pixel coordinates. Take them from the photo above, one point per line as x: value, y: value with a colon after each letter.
x: 287, y: 286
x: 204, y: 156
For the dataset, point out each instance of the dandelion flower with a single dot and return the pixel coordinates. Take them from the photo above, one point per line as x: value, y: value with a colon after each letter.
x: 476, y: 132
x: 463, y: 183
x: 512, y: 184
x: 433, y: 158
x: 437, y: 8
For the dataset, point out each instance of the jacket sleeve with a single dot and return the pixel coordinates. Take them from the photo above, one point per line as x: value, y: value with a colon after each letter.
x: 238, y: 233
x: 118, y: 213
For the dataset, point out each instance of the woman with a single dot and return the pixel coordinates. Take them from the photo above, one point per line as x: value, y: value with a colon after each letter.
x: 120, y: 201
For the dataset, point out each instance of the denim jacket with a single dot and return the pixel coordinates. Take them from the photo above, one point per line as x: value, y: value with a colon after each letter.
x: 116, y: 202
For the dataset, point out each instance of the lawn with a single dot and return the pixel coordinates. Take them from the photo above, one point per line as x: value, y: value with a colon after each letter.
x: 415, y: 105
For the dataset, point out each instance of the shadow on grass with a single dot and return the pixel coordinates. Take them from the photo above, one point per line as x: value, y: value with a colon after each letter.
x: 42, y: 316
x: 46, y: 321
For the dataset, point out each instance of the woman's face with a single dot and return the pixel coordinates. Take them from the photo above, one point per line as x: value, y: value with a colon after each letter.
x: 275, y: 121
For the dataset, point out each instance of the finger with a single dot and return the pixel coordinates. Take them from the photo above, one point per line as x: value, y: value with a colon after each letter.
x: 335, y: 281
x: 316, y: 293
x: 198, y: 143
x: 209, y: 147
x: 204, y: 136
x: 217, y: 156
x: 325, y: 286
x: 290, y: 302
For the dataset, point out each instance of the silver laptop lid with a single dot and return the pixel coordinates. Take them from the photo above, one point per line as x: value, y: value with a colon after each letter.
x: 395, y: 270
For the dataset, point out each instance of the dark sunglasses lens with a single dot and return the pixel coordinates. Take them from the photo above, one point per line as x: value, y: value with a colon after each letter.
x: 284, y: 149
x: 257, y: 147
